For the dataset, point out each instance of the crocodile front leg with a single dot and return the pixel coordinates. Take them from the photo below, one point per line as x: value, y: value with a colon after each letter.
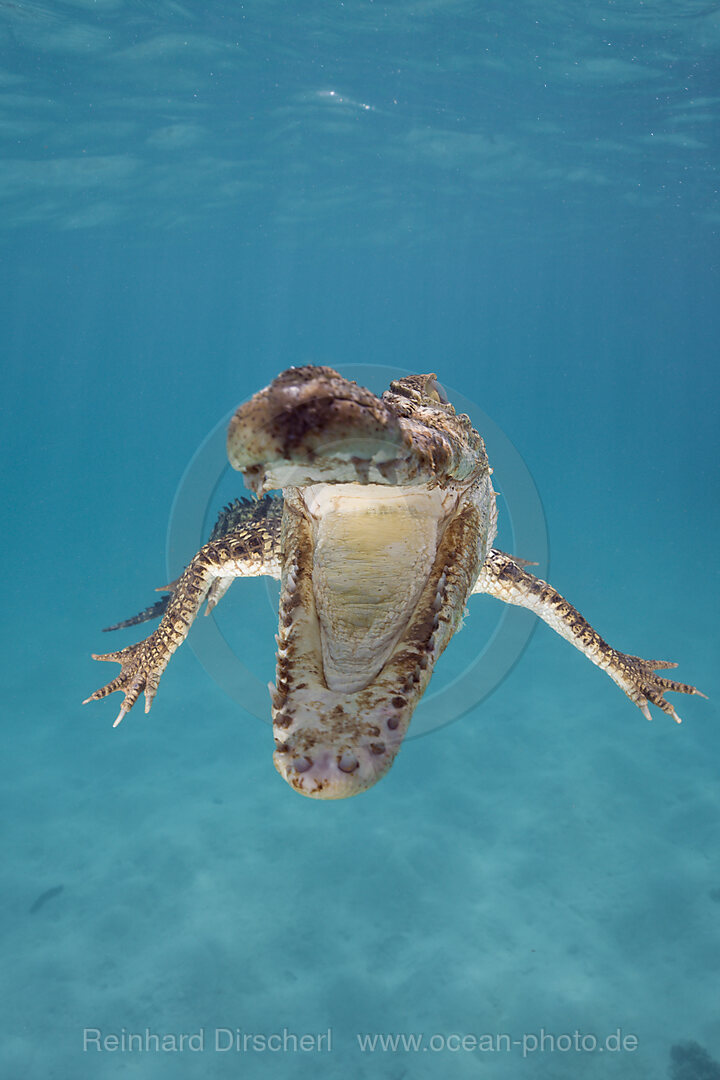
x: 502, y: 577
x: 207, y: 577
x: 257, y: 522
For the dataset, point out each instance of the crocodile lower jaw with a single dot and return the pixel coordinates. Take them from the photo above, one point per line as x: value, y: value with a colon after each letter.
x: 373, y: 588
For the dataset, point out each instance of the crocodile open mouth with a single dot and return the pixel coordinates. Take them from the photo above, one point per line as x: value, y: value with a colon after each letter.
x: 379, y: 554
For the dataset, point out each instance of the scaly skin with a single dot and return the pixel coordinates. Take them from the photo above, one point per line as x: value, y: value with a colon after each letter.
x: 254, y: 522
x: 377, y: 476
x: 503, y: 578
x: 251, y: 549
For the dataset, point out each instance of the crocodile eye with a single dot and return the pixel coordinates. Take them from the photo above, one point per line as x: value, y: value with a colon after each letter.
x: 436, y: 392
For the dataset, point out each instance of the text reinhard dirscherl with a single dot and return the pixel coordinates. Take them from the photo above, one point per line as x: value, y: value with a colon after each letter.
x: 221, y: 1040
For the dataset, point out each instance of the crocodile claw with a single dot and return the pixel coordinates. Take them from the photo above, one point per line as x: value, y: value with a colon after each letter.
x: 645, y: 688
x: 141, y: 667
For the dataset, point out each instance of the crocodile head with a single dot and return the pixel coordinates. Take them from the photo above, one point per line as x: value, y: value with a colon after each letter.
x: 388, y: 515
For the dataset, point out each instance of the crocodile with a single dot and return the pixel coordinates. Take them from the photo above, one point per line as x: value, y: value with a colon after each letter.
x: 383, y: 531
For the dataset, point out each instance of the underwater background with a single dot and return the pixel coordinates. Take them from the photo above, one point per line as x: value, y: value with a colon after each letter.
x: 523, y: 198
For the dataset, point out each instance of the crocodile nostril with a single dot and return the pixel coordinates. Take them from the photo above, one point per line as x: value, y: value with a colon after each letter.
x: 301, y: 764
x: 348, y: 762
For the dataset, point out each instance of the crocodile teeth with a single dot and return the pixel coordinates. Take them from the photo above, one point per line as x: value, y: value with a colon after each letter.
x: 278, y: 699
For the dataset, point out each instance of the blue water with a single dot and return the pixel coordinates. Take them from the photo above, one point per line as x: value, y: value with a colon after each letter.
x: 523, y: 199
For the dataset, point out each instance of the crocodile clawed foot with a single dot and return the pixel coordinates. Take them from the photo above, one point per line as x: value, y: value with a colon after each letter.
x: 645, y: 688
x: 141, y: 667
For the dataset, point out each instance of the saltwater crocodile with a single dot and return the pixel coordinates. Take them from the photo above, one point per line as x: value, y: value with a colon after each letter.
x: 383, y: 531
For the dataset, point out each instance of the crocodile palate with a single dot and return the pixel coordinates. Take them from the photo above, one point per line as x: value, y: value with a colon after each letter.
x: 383, y: 531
